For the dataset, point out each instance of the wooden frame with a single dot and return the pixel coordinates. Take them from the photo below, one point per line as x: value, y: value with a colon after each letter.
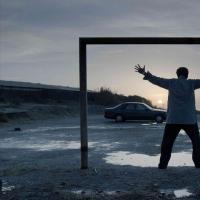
x: 83, y: 42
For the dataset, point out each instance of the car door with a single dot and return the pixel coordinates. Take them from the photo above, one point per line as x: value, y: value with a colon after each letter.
x: 130, y: 111
x: 142, y: 112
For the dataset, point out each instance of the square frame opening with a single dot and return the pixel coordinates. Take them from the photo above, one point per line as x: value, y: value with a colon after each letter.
x: 83, y: 42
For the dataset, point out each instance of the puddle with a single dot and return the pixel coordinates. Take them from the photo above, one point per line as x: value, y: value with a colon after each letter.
x: 106, y: 146
x: 49, y: 145
x: 113, y: 127
x: 181, y: 193
x: 48, y: 128
x: 88, y: 192
x: 166, y: 192
x: 78, y: 192
x: 42, y: 145
x: 143, y: 160
x: 182, y: 132
x: 6, y: 188
x: 155, y: 127
x: 96, y: 127
x: 84, y: 192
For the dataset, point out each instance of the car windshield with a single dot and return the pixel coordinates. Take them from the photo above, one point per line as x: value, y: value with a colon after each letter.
x: 147, y: 106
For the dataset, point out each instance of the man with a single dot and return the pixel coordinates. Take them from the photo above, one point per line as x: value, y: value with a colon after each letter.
x: 181, y: 112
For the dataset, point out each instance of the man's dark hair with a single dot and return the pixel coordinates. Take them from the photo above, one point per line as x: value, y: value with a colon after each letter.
x: 182, y: 71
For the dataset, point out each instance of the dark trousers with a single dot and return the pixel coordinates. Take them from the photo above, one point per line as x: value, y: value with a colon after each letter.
x: 170, y: 133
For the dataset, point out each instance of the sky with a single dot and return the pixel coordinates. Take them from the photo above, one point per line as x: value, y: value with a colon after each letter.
x: 39, y: 42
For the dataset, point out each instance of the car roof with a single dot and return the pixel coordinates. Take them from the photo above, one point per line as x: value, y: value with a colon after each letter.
x: 134, y: 103
x: 141, y: 103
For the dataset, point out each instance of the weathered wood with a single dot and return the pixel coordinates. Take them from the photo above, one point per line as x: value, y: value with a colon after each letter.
x: 83, y: 104
x: 83, y: 42
x: 140, y: 40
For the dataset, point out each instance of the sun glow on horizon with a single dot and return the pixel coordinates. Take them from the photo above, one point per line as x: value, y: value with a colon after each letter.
x: 160, y: 101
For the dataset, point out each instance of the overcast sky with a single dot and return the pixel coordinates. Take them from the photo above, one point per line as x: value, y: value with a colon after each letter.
x: 39, y: 41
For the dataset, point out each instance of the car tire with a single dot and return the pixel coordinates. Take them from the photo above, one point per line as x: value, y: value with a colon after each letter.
x: 159, y: 119
x: 119, y: 118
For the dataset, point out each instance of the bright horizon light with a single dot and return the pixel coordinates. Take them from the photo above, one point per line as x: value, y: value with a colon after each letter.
x: 160, y: 102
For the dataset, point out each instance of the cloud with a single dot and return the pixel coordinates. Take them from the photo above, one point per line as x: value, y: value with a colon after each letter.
x: 80, y: 14
x: 45, y: 32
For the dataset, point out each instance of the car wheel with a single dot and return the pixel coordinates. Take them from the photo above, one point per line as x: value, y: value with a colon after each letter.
x: 159, y: 118
x: 119, y: 118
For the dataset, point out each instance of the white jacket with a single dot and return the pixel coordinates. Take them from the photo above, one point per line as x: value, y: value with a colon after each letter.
x: 181, y: 107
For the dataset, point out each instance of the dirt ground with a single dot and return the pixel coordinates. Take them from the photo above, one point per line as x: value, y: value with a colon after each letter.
x: 41, y: 160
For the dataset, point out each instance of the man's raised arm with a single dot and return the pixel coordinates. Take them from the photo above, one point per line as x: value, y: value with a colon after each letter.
x: 196, y: 83
x: 162, y: 82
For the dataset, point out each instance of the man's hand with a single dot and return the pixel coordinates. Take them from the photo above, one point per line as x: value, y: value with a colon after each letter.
x: 140, y: 69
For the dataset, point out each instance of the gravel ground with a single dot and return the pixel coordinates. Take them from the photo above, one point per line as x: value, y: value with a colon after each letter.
x: 42, y: 161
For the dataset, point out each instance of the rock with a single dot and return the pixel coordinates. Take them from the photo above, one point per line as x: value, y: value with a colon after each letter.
x: 17, y: 129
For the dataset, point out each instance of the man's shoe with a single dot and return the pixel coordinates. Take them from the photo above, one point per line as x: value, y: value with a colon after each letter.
x: 162, y: 166
x: 197, y: 166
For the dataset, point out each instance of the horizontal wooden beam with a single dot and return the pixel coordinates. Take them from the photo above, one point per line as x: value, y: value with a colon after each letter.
x: 139, y: 40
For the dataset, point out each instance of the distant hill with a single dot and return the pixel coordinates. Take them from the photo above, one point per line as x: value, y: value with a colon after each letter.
x: 18, y: 84
x: 26, y: 92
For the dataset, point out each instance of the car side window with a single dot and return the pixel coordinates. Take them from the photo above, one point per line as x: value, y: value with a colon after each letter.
x: 130, y: 107
x: 140, y: 107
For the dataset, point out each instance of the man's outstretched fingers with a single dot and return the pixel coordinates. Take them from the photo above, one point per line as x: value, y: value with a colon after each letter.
x: 136, y: 68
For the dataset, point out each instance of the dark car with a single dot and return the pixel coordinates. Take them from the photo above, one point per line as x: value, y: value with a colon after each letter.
x: 135, y: 111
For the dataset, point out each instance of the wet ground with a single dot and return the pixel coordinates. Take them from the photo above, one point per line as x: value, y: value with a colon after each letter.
x: 41, y: 160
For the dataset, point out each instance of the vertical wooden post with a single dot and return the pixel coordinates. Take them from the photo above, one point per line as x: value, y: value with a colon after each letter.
x: 83, y: 103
